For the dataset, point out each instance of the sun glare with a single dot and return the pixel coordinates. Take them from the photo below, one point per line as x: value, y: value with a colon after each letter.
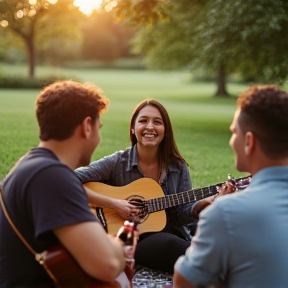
x: 87, y: 6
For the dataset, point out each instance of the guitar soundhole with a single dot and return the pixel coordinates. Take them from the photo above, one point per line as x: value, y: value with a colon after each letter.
x: 140, y: 202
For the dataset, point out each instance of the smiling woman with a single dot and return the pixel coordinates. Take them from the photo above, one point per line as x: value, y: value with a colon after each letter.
x: 87, y: 6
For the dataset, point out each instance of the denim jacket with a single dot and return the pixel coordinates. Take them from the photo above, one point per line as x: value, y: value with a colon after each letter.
x: 121, y: 168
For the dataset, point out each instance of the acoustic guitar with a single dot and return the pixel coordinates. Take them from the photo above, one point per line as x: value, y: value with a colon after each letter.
x: 148, y: 195
x: 65, y: 271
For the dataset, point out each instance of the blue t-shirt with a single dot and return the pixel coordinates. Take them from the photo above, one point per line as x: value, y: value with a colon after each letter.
x: 243, y: 238
x: 41, y: 194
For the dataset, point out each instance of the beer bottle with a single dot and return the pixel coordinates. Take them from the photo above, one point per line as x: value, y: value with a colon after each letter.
x: 126, y: 234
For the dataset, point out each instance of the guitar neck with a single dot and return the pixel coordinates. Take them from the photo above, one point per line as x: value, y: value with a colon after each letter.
x: 172, y: 200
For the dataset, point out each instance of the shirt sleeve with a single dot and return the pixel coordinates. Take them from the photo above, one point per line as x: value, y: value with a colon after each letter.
x: 207, y: 256
x: 57, y: 198
x: 100, y: 170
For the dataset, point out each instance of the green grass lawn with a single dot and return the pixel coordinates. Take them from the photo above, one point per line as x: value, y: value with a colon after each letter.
x: 201, y: 122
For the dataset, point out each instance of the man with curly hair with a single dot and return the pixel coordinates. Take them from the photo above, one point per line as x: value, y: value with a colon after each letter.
x: 46, y: 201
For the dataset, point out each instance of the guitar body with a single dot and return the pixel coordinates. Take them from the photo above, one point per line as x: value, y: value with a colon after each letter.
x: 65, y: 271
x: 143, y: 188
x: 148, y: 195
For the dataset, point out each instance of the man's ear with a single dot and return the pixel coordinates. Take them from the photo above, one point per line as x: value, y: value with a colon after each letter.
x: 86, y: 127
x: 249, y: 142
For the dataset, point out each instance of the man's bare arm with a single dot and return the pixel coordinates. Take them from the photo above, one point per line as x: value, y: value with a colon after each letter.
x: 180, y: 282
x: 100, y: 255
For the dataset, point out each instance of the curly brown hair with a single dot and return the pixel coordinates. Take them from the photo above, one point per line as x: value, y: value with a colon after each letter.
x: 264, y: 112
x: 63, y: 105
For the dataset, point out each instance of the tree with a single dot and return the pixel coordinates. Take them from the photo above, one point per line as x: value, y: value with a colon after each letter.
x: 103, y: 39
x: 223, y: 37
x: 31, y: 19
x: 11, y: 48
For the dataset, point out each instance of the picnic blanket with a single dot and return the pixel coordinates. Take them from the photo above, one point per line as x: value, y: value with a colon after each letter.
x: 147, y: 278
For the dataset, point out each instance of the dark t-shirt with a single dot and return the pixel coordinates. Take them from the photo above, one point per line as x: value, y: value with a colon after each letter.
x: 41, y: 194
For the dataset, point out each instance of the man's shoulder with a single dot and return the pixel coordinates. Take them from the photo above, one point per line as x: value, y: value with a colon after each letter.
x: 231, y: 206
x: 41, y: 157
x: 39, y: 162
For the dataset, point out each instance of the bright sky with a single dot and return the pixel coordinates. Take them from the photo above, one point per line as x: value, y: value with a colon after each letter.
x: 87, y: 6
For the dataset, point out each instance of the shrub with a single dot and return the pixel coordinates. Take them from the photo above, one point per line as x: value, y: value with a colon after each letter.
x: 19, y: 81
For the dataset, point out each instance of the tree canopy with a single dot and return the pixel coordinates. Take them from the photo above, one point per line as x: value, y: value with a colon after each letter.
x: 38, y: 21
x: 104, y: 39
x: 247, y: 37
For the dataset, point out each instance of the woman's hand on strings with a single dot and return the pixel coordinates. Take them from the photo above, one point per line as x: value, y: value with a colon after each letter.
x: 125, y: 209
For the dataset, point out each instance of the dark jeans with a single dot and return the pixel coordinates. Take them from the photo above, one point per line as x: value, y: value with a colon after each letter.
x: 160, y: 250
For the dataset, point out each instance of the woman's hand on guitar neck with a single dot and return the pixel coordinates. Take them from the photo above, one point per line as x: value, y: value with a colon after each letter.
x: 227, y: 188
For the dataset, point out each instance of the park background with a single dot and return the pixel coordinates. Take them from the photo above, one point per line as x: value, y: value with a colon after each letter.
x: 195, y: 57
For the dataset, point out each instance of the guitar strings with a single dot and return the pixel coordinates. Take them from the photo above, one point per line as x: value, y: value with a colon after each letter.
x: 161, y: 203
x: 179, y: 198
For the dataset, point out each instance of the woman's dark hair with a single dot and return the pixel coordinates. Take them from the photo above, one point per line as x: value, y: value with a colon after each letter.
x: 168, y: 150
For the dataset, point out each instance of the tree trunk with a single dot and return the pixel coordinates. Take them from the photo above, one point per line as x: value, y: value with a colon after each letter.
x: 221, y: 83
x: 30, y: 54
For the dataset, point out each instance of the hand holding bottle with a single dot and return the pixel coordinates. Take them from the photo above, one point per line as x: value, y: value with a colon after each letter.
x: 128, y: 233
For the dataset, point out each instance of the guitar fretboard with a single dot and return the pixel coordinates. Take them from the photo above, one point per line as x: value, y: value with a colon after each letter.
x: 172, y: 200
x: 168, y: 201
